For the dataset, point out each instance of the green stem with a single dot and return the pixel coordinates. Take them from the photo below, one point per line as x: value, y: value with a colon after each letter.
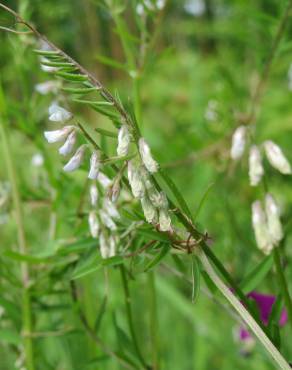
x: 130, y: 316
x: 153, y: 320
x: 246, y: 316
x: 282, y: 283
x: 24, y: 268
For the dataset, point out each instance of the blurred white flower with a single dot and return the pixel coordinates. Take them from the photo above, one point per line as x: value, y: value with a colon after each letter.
x: 93, y: 224
x: 195, y: 7
x: 124, y: 140
x: 211, y: 113
x: 104, y: 181
x: 37, y: 160
x: 93, y: 195
x: 135, y: 180
x: 145, y: 152
x: 110, y: 208
x: 260, y: 227
x: 140, y: 9
x: 76, y: 160
x: 107, y: 220
x: 112, y: 246
x: 59, y: 114
x: 94, y: 165
x: 115, y: 191
x: 58, y: 135
x: 238, y: 143
x: 276, y: 157
x: 273, y: 218
x: 164, y: 220
x: 256, y: 169
x: 149, y: 210
x: 68, y: 146
x: 47, y: 87
x: 104, y: 246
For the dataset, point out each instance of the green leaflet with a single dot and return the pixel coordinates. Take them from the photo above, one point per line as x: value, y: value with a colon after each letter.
x: 47, y: 53
x: 58, y: 64
x: 72, y: 76
x: 82, y: 90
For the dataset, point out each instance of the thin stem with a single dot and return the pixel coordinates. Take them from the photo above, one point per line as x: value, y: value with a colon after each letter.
x: 130, y: 316
x: 248, y: 319
x: 282, y: 283
x: 24, y: 267
x: 153, y: 320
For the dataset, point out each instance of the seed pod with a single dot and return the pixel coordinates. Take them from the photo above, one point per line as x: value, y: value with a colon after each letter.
x: 107, y: 220
x: 260, y: 227
x: 59, y: 114
x: 164, y: 220
x: 94, y: 165
x: 58, y: 135
x: 276, y: 157
x: 273, y: 218
x: 256, y: 169
x: 76, y: 161
x: 68, y: 146
x: 135, y: 180
x: 93, y: 224
x: 124, y: 140
x: 145, y: 152
x: 93, y: 195
x: 149, y: 210
x: 238, y: 143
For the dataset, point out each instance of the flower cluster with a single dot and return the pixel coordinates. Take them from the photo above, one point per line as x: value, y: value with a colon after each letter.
x: 265, y: 220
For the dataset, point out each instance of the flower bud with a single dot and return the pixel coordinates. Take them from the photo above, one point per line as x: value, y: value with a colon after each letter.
x: 67, y: 147
x: 149, y: 210
x: 112, y: 246
x: 58, y: 135
x: 148, y: 161
x: 93, y: 224
x: 94, y: 165
x: 256, y: 169
x: 47, y: 87
x: 114, y: 191
x: 124, y: 140
x: 273, y: 218
x: 76, y: 160
x: 110, y: 208
x: 104, y: 181
x: 59, y: 114
x: 93, y: 195
x: 260, y: 227
x: 135, y: 180
x: 164, y: 220
x: 276, y: 157
x: 107, y: 220
x: 104, y: 246
x: 238, y: 142
x: 45, y: 68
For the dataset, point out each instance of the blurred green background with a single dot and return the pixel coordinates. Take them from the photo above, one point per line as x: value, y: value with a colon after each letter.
x: 203, y: 62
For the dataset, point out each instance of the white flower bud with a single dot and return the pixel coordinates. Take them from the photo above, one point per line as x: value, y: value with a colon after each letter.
x: 135, y: 180
x: 68, y: 146
x: 93, y: 224
x: 104, y: 181
x: 260, y: 227
x: 37, y: 160
x: 159, y: 200
x: 114, y: 191
x: 238, y: 142
x: 273, y: 218
x: 47, y: 87
x: 112, y: 246
x: 103, y: 246
x: 110, y: 208
x: 58, y: 135
x: 94, y: 165
x: 124, y: 140
x: 107, y: 220
x: 276, y: 157
x: 59, y: 114
x: 256, y: 169
x: 76, y: 160
x: 93, y: 195
x: 149, y: 210
x: 164, y: 220
x: 148, y: 161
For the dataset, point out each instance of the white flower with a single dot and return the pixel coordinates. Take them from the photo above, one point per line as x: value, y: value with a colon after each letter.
x: 135, y: 180
x: 93, y: 195
x: 260, y: 227
x: 140, y: 9
x: 68, y: 146
x: 112, y: 246
x: 58, y: 135
x: 164, y: 220
x: 195, y: 7
x: 37, y: 160
x: 256, y: 169
x: 211, y: 113
x: 124, y: 140
x: 93, y: 224
x: 110, y: 208
x: 149, y: 210
x: 276, y: 157
x: 159, y: 200
x: 115, y: 191
x: 148, y: 161
x: 94, y: 165
x: 107, y: 220
x: 160, y: 4
x: 104, y: 181
x: 273, y: 218
x: 238, y: 142
x: 76, y: 160
x: 103, y: 246
x: 45, y: 68
x: 59, y: 114
x: 47, y: 87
